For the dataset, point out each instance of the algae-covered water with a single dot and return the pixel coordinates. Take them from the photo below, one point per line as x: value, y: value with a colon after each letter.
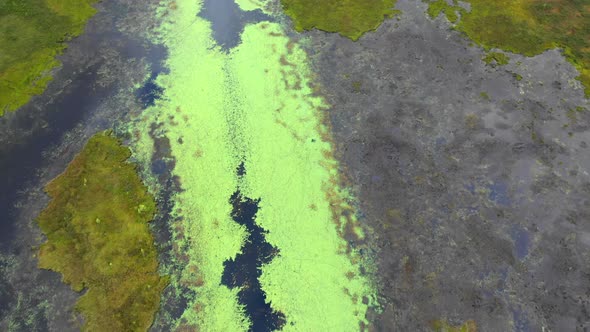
x: 254, y: 104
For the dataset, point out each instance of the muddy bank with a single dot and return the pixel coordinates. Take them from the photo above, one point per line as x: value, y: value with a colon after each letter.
x: 474, y: 182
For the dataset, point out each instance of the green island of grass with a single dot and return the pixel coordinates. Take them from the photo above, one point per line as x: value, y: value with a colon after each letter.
x: 350, y: 18
x: 32, y: 33
x: 527, y: 27
x: 99, y: 239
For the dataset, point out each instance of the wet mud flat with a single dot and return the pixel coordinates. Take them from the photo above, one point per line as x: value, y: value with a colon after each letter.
x: 474, y: 183
x: 89, y: 93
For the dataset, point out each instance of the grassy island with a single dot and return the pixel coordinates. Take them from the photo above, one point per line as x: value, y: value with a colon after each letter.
x: 99, y: 239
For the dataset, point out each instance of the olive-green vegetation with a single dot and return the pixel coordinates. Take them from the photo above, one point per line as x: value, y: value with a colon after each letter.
x: 442, y: 6
x: 350, y: 18
x: 527, y: 27
x: 497, y: 57
x: 444, y: 326
x: 32, y: 33
x: 98, y: 238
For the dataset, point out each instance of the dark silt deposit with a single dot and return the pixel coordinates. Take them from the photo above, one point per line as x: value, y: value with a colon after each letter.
x: 162, y: 164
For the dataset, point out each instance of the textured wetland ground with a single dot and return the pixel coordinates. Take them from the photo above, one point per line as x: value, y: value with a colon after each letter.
x: 469, y: 168
x: 475, y: 181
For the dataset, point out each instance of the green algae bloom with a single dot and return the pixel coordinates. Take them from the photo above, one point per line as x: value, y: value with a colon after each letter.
x: 255, y: 105
x: 527, y: 27
x: 350, y: 18
x: 99, y: 240
x: 32, y: 34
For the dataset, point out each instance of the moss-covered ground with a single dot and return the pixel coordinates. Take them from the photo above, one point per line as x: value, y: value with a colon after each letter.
x: 435, y: 8
x: 32, y: 33
x: 350, y: 18
x: 527, y: 27
x: 99, y: 239
x: 444, y: 326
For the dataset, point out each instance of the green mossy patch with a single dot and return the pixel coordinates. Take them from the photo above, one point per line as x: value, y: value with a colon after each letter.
x: 527, y: 27
x: 98, y: 238
x: 350, y: 18
x: 32, y: 33
x: 496, y: 57
x: 435, y: 8
x: 444, y: 326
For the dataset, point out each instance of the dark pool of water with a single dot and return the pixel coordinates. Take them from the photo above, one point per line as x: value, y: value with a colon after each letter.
x: 244, y: 271
x: 149, y: 92
x: 228, y: 21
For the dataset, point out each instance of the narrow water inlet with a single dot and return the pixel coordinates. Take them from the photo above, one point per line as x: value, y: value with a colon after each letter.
x: 228, y: 21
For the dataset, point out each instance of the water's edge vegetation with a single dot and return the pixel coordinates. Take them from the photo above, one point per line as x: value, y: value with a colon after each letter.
x: 527, y: 27
x: 350, y: 18
x: 32, y: 34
